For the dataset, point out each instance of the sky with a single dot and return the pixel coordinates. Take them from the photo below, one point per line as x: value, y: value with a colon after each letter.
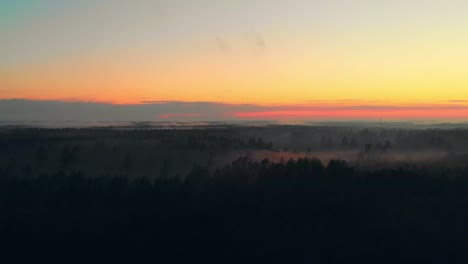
x: 339, y: 59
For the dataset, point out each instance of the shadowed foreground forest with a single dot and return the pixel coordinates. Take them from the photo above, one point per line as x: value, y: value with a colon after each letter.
x: 179, y: 196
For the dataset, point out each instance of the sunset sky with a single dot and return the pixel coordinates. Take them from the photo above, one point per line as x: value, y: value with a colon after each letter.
x: 345, y: 59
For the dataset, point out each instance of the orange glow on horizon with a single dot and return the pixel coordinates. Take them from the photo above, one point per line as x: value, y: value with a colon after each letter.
x: 443, y: 113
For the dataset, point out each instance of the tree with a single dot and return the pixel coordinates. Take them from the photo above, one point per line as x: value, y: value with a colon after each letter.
x: 66, y: 157
x: 165, y: 168
x: 128, y: 162
x: 368, y: 147
x: 345, y: 142
x: 387, y: 145
x: 41, y: 154
x: 339, y: 168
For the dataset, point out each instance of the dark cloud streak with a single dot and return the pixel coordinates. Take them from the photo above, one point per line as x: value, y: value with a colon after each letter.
x: 36, y: 110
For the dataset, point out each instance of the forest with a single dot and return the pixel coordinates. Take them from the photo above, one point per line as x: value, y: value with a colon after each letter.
x: 274, y: 194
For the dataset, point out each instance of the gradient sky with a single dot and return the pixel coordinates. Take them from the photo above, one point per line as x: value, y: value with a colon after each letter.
x: 337, y: 54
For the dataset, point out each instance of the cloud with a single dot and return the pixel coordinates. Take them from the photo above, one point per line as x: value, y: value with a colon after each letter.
x: 458, y: 101
x: 158, y: 102
x: 359, y: 112
x: 36, y: 110
x: 183, y: 115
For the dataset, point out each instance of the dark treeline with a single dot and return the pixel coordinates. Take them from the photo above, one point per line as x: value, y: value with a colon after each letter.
x: 295, y: 211
x: 173, y: 152
x: 99, y: 151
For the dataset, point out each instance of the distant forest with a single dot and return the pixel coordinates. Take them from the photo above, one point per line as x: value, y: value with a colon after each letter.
x: 178, y: 196
x: 174, y: 152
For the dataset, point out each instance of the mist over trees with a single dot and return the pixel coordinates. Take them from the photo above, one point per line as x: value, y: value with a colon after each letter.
x: 148, y: 152
x: 233, y: 194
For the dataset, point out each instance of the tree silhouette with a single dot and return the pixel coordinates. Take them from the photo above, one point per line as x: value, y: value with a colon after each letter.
x: 345, y: 142
x: 128, y: 163
x: 66, y: 157
x: 387, y: 145
x: 368, y: 147
x: 41, y: 155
